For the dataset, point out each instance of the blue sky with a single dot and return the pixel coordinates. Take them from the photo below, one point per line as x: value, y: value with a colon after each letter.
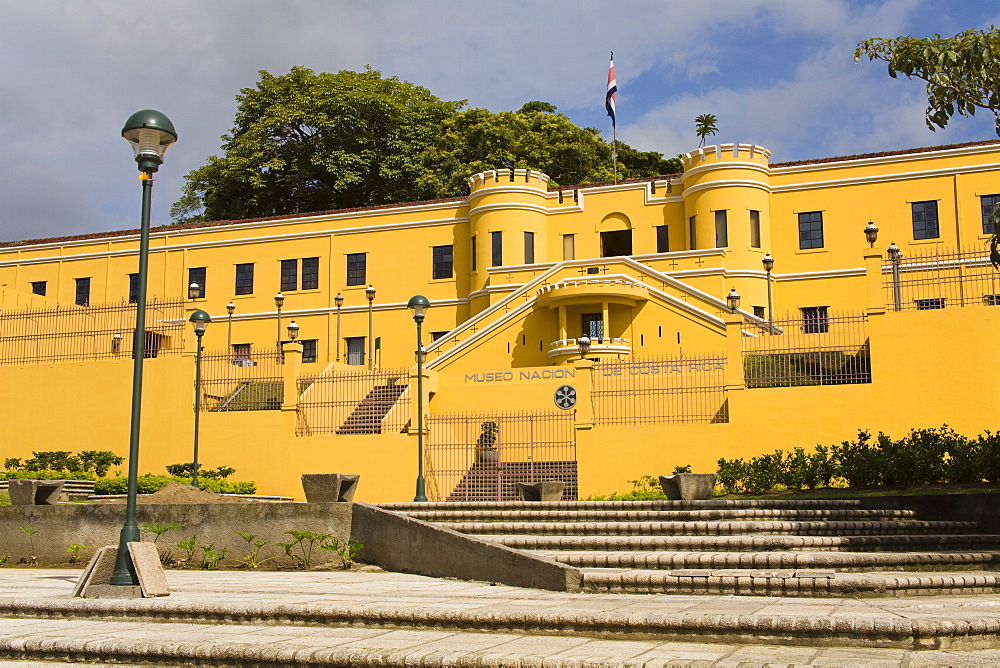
x: 779, y: 73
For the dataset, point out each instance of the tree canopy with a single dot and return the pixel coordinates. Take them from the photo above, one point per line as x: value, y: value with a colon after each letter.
x: 306, y: 142
x: 962, y: 72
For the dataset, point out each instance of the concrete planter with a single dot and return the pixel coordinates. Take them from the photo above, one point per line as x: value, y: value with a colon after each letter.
x: 688, y: 486
x: 546, y: 490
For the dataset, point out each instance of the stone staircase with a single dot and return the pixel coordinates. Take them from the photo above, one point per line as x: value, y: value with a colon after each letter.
x: 367, y: 417
x: 824, y: 548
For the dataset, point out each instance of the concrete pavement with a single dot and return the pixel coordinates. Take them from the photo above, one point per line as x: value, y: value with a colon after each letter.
x: 378, y: 618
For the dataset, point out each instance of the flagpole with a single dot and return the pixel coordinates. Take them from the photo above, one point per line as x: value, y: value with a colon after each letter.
x: 609, y: 104
x: 614, y: 151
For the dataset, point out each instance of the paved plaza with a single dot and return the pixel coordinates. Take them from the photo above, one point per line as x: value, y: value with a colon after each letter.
x: 378, y: 618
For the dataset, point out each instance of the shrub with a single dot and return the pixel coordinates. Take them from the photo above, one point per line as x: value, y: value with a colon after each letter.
x: 148, y: 484
x: 46, y: 475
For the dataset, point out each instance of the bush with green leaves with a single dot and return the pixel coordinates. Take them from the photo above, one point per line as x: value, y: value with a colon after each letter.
x: 94, y: 462
x: 148, y: 484
x: 47, y: 475
x: 185, y: 470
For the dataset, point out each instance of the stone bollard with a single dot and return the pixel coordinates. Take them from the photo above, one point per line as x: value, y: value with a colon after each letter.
x: 546, y: 490
x: 35, y: 492
x: 688, y: 486
x: 329, y: 487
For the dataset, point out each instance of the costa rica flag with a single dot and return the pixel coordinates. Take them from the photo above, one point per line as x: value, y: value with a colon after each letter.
x: 609, y: 100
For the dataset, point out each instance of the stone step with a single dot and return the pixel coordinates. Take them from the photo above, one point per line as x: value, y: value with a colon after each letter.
x: 819, y: 583
x: 709, y: 504
x: 841, y: 561
x: 891, y: 543
x: 529, y: 515
x: 805, y: 528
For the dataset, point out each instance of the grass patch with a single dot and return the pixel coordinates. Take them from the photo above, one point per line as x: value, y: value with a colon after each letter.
x: 860, y: 492
x: 4, y: 499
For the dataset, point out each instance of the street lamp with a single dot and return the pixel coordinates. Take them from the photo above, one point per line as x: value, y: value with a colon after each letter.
x: 150, y: 133
x: 230, y: 309
x: 293, y: 330
x: 584, y: 342
x: 200, y: 320
x: 370, y: 295
x: 339, y: 301
x: 895, y: 255
x: 194, y: 290
x: 871, y: 233
x: 279, y: 299
x: 733, y: 300
x: 418, y: 304
x: 768, y: 263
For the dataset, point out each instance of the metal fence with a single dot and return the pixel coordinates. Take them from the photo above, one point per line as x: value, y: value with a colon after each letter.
x: 84, y: 333
x: 941, y: 278
x: 659, y: 391
x: 816, y: 349
x: 244, y: 381
x: 354, y: 402
x: 482, y: 456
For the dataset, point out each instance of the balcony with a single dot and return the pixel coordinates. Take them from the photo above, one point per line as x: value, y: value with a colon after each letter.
x: 565, y: 349
x: 610, y: 289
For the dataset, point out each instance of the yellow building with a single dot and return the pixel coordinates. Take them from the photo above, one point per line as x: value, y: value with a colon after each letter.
x: 580, y: 333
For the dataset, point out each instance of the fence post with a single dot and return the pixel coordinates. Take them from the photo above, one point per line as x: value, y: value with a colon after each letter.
x: 734, y: 352
x: 873, y: 281
x: 290, y: 371
x: 584, y: 386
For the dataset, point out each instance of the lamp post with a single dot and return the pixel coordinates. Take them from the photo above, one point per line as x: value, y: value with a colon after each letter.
x: 279, y: 299
x: 150, y: 133
x: 871, y: 233
x: 418, y: 304
x: 584, y: 342
x: 768, y: 263
x: 895, y: 255
x: 370, y: 295
x: 733, y: 300
x: 200, y: 320
x: 339, y: 301
x: 230, y: 309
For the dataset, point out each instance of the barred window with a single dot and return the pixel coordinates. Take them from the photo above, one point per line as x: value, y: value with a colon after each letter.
x: 133, y: 288
x: 244, y: 279
x: 925, y: 220
x: 811, y: 229
x: 815, y: 319
x: 442, y: 262
x: 83, y: 291
x: 930, y: 304
x: 309, y: 347
x: 357, y: 268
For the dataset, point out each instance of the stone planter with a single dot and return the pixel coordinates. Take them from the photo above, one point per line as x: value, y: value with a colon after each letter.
x: 488, y: 455
x: 35, y: 492
x: 329, y: 487
x: 546, y: 490
x: 688, y: 486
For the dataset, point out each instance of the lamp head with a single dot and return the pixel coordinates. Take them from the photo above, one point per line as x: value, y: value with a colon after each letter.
x: 871, y: 233
x: 293, y: 330
x: 279, y: 299
x: 768, y: 262
x: 150, y: 133
x: 200, y: 320
x: 370, y: 293
x: 339, y: 300
x: 894, y: 253
x: 418, y: 304
x: 231, y: 308
x: 733, y: 300
x: 194, y: 291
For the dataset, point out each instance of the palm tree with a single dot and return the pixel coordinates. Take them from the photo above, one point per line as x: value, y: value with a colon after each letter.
x: 705, y: 126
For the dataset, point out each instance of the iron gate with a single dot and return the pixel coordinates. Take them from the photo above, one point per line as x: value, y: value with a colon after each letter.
x: 481, y: 456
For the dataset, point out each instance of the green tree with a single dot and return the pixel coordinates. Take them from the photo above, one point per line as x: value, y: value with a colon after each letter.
x: 704, y: 125
x: 962, y: 72
x: 307, y: 142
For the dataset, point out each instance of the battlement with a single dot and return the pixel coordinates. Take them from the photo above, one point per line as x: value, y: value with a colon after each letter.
x: 725, y: 153
x: 504, y: 178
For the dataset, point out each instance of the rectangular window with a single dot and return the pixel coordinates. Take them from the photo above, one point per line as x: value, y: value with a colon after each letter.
x: 991, y: 300
x: 437, y: 335
x: 754, y: 229
x: 242, y: 355
x: 442, y: 262
x: 197, y: 275
x: 989, y: 205
x: 310, y: 273
x: 244, y: 279
x: 496, y: 240
x: 356, y: 350
x: 721, y: 229
x: 357, y: 268
x: 662, y: 238
x: 758, y: 312
x: 38, y: 288
x: 472, y: 249
x: 309, y: 347
x: 815, y: 320
x: 569, y: 246
x: 289, y: 275
x: 811, y: 229
x: 529, y: 248
x: 925, y: 220
x: 83, y: 292
x: 691, y: 232
x: 593, y: 326
x: 930, y: 304
x: 133, y: 288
